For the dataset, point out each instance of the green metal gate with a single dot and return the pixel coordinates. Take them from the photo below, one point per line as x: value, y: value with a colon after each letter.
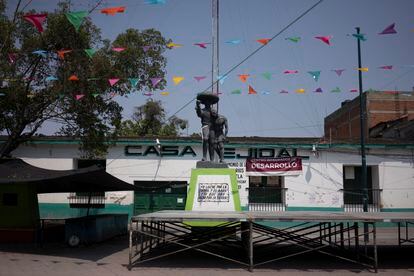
x: 153, y: 196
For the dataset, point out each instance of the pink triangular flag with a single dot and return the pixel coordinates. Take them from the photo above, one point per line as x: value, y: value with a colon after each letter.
x: 325, y: 39
x: 199, y: 78
x: 389, y: 30
x: 37, y: 20
x: 12, y: 57
x: 338, y: 71
x: 202, y: 44
x: 291, y: 72
x: 113, y: 81
x: 353, y: 90
x: 79, y: 96
x: 148, y: 94
x: 155, y: 81
x: 118, y: 49
x: 386, y: 67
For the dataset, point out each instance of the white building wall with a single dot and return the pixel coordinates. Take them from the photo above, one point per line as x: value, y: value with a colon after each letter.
x: 319, y: 185
x: 397, y: 184
x: 51, y: 157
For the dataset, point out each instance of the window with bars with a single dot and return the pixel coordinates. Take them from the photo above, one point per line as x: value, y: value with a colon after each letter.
x: 85, y: 199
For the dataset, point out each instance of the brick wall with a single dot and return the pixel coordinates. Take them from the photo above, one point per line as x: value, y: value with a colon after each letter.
x: 344, y: 123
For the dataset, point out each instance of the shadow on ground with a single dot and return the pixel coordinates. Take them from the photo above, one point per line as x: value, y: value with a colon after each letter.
x: 92, y: 252
x: 389, y: 257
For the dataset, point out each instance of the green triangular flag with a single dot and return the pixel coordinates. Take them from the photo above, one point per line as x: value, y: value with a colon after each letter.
x: 93, y: 79
x: 90, y: 52
x: 336, y: 90
x: 237, y: 91
x: 76, y: 18
x: 315, y: 74
x: 96, y: 94
x: 293, y: 39
x: 133, y: 81
x: 360, y: 37
x: 267, y: 75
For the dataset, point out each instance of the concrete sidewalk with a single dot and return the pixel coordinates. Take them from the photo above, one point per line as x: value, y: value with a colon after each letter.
x: 111, y: 258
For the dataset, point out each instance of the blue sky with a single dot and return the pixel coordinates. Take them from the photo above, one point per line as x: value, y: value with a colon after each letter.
x: 274, y: 114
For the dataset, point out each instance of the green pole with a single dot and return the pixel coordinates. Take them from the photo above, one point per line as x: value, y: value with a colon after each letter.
x: 362, y: 114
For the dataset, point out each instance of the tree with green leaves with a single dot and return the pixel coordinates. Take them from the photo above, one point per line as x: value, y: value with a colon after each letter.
x: 62, y: 73
x: 149, y: 119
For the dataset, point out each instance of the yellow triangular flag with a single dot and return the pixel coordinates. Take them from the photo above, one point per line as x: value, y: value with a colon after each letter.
x: 300, y: 90
x: 363, y: 69
x: 173, y: 45
x: 165, y: 93
x: 177, y: 80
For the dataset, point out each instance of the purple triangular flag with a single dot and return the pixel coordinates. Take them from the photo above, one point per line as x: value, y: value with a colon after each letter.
x: 318, y: 90
x: 389, y: 30
x: 155, y: 81
x: 146, y: 48
x: 338, y: 71
x: 199, y: 78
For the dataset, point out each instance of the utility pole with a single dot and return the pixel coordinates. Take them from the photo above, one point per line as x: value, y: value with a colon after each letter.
x: 362, y: 115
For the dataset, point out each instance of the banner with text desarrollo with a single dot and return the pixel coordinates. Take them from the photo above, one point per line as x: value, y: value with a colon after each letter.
x: 273, y: 166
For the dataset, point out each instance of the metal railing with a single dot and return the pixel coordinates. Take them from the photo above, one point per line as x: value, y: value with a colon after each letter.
x: 354, y: 200
x: 267, y: 199
x: 87, y: 200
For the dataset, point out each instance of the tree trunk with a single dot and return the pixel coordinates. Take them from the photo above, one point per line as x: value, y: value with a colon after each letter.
x: 8, y: 146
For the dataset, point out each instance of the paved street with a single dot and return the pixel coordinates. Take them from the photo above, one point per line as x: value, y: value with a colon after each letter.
x: 111, y: 257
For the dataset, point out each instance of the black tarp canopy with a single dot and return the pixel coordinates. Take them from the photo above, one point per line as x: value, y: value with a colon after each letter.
x: 92, y: 179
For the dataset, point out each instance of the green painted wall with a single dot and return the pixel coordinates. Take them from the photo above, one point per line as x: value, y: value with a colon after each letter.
x: 26, y: 213
x: 321, y: 209
x: 62, y: 210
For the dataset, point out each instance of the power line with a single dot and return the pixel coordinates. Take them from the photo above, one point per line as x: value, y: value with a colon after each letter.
x: 252, y: 54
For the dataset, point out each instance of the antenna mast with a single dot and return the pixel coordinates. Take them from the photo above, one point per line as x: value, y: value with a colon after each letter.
x: 215, y: 48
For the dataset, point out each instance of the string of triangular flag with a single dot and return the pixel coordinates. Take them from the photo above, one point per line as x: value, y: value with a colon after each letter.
x: 76, y: 19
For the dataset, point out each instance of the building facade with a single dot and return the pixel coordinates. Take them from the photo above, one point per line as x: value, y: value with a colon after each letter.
x: 379, y: 107
x: 329, y: 179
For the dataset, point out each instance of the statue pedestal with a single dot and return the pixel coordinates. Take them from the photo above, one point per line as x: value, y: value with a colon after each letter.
x: 212, y: 189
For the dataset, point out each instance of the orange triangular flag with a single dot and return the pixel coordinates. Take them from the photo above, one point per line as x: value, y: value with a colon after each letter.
x: 113, y: 11
x: 263, y: 41
x: 73, y: 78
x: 251, y: 90
x: 243, y: 77
x: 62, y: 53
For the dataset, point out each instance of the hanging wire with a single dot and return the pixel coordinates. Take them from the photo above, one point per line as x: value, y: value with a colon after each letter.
x: 253, y: 53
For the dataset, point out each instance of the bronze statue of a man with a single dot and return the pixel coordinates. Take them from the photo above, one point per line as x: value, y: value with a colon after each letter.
x: 219, y: 130
x: 205, y: 115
